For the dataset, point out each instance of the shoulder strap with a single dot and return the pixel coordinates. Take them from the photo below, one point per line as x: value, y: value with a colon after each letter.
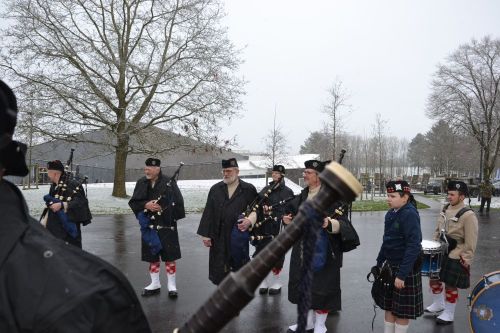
x: 462, y: 212
x: 445, y: 207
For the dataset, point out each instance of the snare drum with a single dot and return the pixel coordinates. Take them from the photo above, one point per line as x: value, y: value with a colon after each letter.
x: 431, y: 258
x: 484, y: 304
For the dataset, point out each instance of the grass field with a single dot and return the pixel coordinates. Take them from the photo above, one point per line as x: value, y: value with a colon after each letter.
x: 376, y: 205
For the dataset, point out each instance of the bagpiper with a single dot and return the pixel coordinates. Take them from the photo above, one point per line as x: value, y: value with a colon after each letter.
x: 271, y: 222
x: 159, y: 236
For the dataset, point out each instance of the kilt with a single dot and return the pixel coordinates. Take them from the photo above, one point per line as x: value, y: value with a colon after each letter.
x: 406, y: 303
x: 454, y: 274
x: 171, y: 250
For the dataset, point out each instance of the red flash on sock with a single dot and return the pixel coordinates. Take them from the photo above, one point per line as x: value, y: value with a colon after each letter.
x: 322, y: 311
x: 154, y: 267
x: 170, y: 267
x: 276, y: 271
x: 451, y: 296
x: 436, y: 287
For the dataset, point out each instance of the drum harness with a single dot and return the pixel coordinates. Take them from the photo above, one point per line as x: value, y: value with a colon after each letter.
x: 447, y: 240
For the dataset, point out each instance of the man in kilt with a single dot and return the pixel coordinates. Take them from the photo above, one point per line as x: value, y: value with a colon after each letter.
x: 271, y: 227
x: 402, y: 300
x: 159, y: 235
x: 458, y: 226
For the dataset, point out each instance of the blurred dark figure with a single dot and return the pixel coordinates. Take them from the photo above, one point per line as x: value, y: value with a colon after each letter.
x: 486, y: 190
x: 47, y: 285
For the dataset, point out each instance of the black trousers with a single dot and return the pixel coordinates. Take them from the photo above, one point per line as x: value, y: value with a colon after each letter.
x: 483, y: 201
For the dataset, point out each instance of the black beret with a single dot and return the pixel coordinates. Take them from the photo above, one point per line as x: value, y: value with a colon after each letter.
x: 55, y: 165
x: 457, y: 185
x: 8, y: 114
x: 153, y: 162
x: 230, y: 163
x: 314, y: 164
x: 279, y: 168
x: 397, y: 186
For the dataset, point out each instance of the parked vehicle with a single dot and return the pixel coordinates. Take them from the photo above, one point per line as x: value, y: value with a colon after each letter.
x: 434, y: 186
x: 496, y: 184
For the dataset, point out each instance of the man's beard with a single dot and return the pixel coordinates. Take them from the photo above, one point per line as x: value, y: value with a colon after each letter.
x: 230, y: 180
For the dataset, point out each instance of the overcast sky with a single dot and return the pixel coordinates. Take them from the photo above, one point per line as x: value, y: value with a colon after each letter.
x: 384, y: 52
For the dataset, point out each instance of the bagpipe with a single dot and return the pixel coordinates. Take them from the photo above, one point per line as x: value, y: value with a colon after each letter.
x: 270, y: 217
x: 239, y: 243
x: 165, y: 199
x: 238, y: 288
x: 65, y: 193
x: 262, y: 197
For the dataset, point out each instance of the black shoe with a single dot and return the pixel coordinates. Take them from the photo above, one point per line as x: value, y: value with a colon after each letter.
x: 150, y: 292
x: 172, y: 294
x: 263, y: 291
x: 443, y: 322
x: 274, y: 291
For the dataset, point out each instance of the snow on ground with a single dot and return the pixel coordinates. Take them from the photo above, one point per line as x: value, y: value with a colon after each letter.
x: 194, y: 192
x: 102, y: 203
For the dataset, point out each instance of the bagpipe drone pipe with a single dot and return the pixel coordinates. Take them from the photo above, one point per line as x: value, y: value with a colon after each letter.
x: 238, y: 288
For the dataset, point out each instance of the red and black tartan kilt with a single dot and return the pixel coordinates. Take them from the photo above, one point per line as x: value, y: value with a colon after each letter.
x: 404, y: 303
x: 454, y: 274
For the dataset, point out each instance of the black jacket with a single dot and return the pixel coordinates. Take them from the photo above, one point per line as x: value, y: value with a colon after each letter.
x: 218, y: 218
x: 169, y: 237
x: 78, y: 212
x: 47, y: 285
x: 326, y: 293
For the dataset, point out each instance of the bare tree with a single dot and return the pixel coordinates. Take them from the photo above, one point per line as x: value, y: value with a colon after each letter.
x: 465, y: 93
x: 337, y: 103
x: 380, y: 143
x: 123, y: 66
x: 276, y: 146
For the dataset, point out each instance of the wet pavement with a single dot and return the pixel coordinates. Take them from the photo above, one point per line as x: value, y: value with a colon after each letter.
x: 117, y: 240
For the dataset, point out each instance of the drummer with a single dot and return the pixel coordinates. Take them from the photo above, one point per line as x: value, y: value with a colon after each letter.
x: 457, y: 225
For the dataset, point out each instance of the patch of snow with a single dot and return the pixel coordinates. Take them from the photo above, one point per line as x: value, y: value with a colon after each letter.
x: 101, y: 201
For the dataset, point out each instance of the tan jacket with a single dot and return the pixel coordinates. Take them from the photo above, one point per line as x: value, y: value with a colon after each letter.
x: 464, y: 231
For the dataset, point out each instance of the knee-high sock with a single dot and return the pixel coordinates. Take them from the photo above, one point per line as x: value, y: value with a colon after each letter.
x: 450, y: 305
x: 319, y: 321
x: 400, y: 328
x: 171, y: 269
x: 388, y: 327
x: 437, y: 297
x: 154, y: 272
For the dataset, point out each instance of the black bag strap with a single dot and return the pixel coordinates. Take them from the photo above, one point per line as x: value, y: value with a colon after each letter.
x: 445, y: 207
x: 459, y: 213
x: 462, y: 212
